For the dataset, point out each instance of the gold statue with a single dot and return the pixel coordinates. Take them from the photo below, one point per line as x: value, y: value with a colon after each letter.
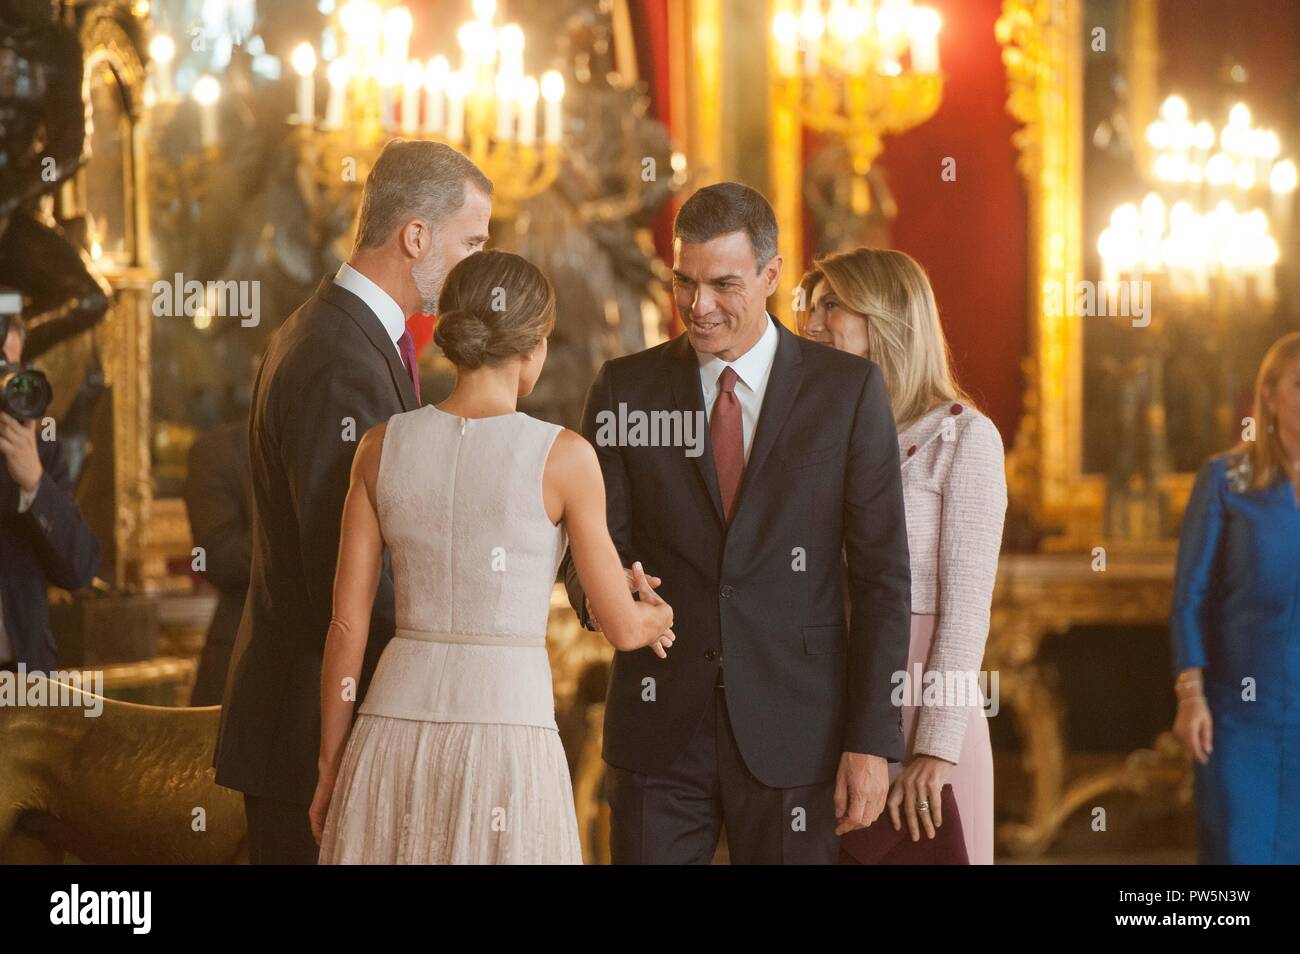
x: 132, y: 785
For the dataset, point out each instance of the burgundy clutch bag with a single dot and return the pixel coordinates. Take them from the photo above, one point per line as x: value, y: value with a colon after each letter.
x: 880, y: 844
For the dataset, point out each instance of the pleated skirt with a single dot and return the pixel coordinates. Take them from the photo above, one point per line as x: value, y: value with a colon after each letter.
x: 416, y: 792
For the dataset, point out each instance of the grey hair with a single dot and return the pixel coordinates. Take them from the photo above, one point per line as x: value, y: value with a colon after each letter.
x: 727, y: 207
x: 414, y: 179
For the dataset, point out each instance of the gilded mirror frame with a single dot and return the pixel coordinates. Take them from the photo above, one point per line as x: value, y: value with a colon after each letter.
x: 1044, y: 45
x: 117, y: 500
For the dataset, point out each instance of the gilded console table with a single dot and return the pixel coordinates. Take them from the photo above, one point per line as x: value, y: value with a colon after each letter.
x: 1042, y: 595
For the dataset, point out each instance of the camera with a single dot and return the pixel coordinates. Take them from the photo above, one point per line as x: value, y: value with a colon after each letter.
x: 25, y: 391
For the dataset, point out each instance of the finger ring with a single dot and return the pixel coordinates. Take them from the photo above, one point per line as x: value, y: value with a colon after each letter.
x: 923, y: 807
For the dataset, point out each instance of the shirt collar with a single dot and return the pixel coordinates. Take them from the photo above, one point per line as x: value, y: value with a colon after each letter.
x: 751, y: 367
x: 388, y: 311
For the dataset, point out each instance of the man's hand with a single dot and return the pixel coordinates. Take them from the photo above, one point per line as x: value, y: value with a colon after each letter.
x: 18, y: 445
x: 632, y: 587
x: 861, y: 785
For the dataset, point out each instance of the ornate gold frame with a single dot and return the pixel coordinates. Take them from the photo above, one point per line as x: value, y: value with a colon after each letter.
x: 1043, y: 48
x: 123, y: 338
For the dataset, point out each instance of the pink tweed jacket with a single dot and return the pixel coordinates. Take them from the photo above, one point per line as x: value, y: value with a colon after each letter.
x: 955, y: 491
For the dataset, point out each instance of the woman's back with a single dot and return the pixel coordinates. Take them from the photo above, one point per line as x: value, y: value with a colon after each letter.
x: 474, y: 559
x: 460, y: 506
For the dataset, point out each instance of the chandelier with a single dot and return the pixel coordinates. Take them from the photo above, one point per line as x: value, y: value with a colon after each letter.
x: 860, y: 70
x: 508, y: 122
x: 1219, y: 200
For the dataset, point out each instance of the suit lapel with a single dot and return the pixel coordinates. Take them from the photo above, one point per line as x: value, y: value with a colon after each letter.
x: 689, y: 398
x: 373, y: 329
x: 778, y: 400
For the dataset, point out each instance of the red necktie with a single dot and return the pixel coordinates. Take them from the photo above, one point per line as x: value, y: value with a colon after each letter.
x: 728, y: 435
x: 406, y: 348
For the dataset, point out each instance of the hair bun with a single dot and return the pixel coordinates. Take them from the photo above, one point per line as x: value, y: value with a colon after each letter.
x: 463, y: 337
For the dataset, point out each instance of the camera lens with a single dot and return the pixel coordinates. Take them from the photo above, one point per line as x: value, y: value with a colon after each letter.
x: 25, y: 394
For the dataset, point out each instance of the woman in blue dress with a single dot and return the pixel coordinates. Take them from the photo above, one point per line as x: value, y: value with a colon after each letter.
x: 1236, y: 631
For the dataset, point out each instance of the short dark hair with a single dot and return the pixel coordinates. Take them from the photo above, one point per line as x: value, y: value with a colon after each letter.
x: 414, y: 178
x: 727, y: 207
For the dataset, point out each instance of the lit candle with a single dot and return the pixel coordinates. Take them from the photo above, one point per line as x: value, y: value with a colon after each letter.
x: 785, y: 29
x: 414, y: 81
x: 338, y: 74
x: 923, y: 26
x: 848, y: 24
x: 361, y: 21
x: 507, y: 90
x: 891, y: 28
x: 368, y: 31
x: 162, y: 50
x: 528, y: 93
x: 303, y: 60
x: 457, y: 86
x: 466, y: 39
x: 397, y: 26
x: 387, y: 76
x: 553, y: 93
x: 812, y: 25
x: 435, y: 86
x: 511, y: 44
x: 207, y: 91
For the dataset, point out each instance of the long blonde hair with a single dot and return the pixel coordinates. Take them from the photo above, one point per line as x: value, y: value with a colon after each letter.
x: 1268, y: 459
x: 906, y: 339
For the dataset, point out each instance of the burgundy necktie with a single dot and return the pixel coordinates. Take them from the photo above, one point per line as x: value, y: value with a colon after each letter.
x: 406, y: 348
x: 728, y: 435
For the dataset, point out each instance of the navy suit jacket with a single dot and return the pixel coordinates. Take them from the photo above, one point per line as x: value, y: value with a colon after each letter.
x: 49, y: 544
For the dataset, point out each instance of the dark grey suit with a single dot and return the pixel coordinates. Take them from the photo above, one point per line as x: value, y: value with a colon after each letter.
x: 761, y: 600
x: 330, y: 373
x: 218, y: 500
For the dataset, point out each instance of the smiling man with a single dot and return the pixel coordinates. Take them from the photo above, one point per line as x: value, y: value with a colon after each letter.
x: 772, y: 716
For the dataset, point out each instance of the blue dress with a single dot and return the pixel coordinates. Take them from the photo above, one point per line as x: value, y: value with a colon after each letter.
x: 1237, y: 614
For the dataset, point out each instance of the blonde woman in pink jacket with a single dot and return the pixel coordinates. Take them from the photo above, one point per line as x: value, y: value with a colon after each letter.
x: 878, y: 303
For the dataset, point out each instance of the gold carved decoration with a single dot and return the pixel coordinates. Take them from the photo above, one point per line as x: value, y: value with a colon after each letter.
x: 1043, y: 46
x: 1037, y: 596
x: 120, y: 788
x: 117, y: 491
x: 1042, y: 50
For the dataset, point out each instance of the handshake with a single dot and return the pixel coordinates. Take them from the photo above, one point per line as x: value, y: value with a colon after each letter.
x: 656, y: 614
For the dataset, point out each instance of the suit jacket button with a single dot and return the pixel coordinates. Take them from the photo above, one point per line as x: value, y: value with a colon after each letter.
x: 710, y: 654
x: 725, y: 591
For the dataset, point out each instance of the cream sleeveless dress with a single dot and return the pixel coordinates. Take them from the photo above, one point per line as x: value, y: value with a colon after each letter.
x: 454, y: 757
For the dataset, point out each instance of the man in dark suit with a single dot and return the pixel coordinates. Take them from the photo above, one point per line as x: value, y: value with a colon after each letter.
x: 43, y: 538
x: 218, y: 501
x: 341, y: 364
x: 770, y: 717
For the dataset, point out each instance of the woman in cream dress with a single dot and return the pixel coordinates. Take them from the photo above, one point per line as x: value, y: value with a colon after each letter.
x: 878, y: 303
x: 455, y: 757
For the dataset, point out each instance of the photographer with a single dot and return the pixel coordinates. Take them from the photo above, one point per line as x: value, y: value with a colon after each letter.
x: 43, y: 538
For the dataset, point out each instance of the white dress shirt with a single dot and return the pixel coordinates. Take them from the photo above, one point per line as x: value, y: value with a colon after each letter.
x: 7, y: 651
x: 753, y: 368
x: 377, y: 300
